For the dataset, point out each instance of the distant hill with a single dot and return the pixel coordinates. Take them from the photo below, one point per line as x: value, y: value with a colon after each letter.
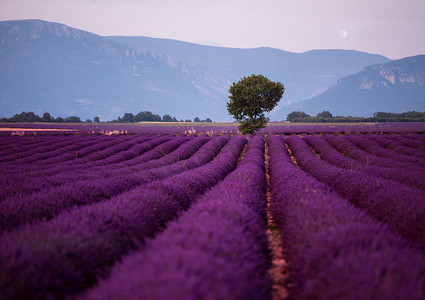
x: 50, y: 67
x: 396, y: 86
x: 303, y: 74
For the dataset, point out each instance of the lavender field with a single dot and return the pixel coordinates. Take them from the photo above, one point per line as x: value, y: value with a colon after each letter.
x: 173, y: 212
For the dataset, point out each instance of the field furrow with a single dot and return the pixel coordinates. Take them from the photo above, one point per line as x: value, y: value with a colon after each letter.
x: 167, y: 215
x: 226, y: 227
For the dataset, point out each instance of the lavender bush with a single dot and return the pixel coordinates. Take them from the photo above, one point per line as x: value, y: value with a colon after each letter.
x: 63, y: 173
x: 328, y: 153
x: 68, y: 253
x: 376, y: 149
x: 388, y: 142
x: 349, y: 149
x: 160, y: 214
x: 396, y: 204
x: 48, y: 203
x: 334, y: 250
x: 226, y: 256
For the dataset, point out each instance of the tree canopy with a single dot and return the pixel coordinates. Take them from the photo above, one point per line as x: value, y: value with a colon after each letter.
x: 143, y: 116
x: 326, y: 116
x: 295, y: 115
x: 250, y: 98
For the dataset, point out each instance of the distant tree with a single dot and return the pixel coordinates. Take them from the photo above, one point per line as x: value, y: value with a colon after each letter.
x: 324, y: 114
x: 89, y: 121
x: 196, y: 119
x: 128, y: 118
x: 208, y: 120
x: 139, y: 117
x: 47, y: 117
x: 293, y: 116
x: 167, y: 118
x: 250, y: 98
x: 188, y: 120
x: 380, y: 114
x: 59, y: 120
x: 156, y: 118
x: 144, y: 116
x: 412, y: 114
x: 96, y: 119
x: 26, y: 117
x: 72, y: 119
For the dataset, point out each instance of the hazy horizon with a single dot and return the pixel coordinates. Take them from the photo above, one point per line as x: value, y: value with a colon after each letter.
x: 392, y: 28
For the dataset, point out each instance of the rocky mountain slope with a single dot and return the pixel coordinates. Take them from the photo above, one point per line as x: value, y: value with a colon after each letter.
x: 396, y: 86
x: 51, y: 67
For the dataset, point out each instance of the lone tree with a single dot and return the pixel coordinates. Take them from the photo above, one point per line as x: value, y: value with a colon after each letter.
x: 250, y: 98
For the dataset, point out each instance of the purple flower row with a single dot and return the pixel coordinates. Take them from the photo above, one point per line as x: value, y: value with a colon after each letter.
x: 89, y: 158
x: 61, y: 158
x: 330, y: 154
x: 419, y: 137
x: 389, y: 142
x: 349, y: 149
x: 138, y: 156
x: 13, y: 145
x: 335, y: 250
x: 75, y: 157
x: 87, y: 154
x: 231, y: 128
x: 216, y: 250
x: 48, y: 203
x: 376, y: 149
x: 68, y: 254
x: 51, y: 149
x: 413, y: 141
x: 399, y: 206
x: 18, y: 182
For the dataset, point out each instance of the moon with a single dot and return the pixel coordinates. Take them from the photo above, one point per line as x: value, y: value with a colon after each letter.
x: 343, y: 34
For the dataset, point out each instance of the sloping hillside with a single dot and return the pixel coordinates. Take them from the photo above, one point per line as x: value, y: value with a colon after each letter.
x: 396, y: 86
x: 50, y: 67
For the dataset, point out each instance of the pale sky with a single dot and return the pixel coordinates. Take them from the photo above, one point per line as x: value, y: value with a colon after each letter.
x: 394, y: 28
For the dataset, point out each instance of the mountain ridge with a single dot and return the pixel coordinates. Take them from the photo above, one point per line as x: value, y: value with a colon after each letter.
x: 91, y: 72
x: 396, y: 86
x: 47, y: 66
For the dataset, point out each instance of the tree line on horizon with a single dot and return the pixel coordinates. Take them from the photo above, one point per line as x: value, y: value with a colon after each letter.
x: 147, y: 116
x: 295, y: 116
x: 143, y: 116
x: 325, y: 117
x: 31, y: 117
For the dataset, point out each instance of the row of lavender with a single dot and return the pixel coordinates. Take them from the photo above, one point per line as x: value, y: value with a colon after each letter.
x: 50, y: 259
x: 219, y: 127
x: 217, y: 248
x: 75, y: 164
x: 57, y: 186
x: 383, y: 192
x: 336, y: 250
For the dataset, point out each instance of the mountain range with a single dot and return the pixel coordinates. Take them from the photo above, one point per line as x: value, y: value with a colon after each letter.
x: 396, y: 86
x: 50, y: 67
